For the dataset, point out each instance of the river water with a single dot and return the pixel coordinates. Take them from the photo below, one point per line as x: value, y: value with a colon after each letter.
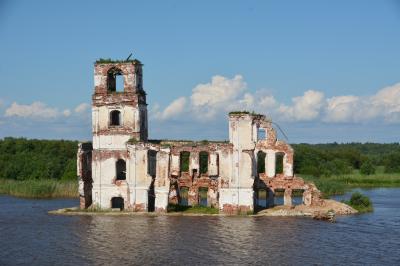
x: 28, y: 235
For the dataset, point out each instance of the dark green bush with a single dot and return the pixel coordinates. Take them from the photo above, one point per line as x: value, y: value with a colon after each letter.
x: 392, y: 163
x: 360, y: 202
x: 367, y: 168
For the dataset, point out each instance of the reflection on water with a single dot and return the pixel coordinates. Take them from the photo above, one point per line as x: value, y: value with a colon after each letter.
x: 28, y: 235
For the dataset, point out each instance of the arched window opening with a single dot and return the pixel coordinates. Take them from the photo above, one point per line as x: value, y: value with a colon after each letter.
x: 297, y: 197
x: 279, y: 163
x: 262, y: 198
x: 261, y: 134
x: 151, y: 197
x: 121, y: 169
x: 115, y: 118
x: 261, y: 162
x: 203, y: 158
x: 279, y: 197
x: 203, y: 191
x: 183, y: 196
x: 117, y: 203
x: 217, y: 161
x: 115, y: 80
x: 184, y: 161
x: 151, y: 163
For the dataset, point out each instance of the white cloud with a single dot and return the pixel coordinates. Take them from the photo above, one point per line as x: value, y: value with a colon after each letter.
x: 41, y: 111
x: 174, y: 109
x: 267, y: 101
x: 384, y: 106
x: 81, y: 108
x: 304, y: 108
x: 387, y: 101
x: 34, y: 110
x: 209, y: 101
x: 341, y: 108
x: 67, y: 112
x: 220, y: 90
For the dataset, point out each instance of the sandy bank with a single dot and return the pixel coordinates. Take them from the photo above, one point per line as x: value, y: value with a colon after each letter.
x: 328, y: 206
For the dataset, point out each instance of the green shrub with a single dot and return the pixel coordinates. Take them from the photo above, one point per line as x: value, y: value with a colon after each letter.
x: 367, y: 168
x: 392, y: 163
x: 360, y: 202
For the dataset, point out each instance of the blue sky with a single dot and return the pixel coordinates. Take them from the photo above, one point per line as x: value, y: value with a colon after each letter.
x: 324, y: 70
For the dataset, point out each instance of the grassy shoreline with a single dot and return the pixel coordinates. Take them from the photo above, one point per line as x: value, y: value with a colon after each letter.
x: 329, y: 186
x: 39, y: 188
x: 340, y: 184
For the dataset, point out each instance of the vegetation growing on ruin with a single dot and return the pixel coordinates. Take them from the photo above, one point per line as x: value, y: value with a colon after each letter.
x: 360, y: 202
x: 192, y: 209
x: 245, y: 112
x: 115, y: 61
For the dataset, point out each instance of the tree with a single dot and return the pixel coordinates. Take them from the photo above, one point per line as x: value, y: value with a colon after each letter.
x: 367, y: 168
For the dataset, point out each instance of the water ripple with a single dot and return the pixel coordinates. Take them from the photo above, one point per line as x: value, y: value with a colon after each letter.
x: 28, y: 235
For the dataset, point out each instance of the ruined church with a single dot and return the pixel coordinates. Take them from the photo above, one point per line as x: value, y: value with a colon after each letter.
x: 123, y: 169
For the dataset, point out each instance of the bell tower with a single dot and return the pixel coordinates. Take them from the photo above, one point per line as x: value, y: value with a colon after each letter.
x: 118, y: 116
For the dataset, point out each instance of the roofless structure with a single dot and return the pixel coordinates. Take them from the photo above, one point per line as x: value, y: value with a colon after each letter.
x: 122, y: 168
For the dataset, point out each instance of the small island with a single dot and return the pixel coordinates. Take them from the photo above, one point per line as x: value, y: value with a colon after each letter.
x: 122, y: 170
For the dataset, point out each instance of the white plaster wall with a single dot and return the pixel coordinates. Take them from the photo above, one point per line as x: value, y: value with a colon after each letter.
x: 227, y: 196
x: 114, y: 142
x: 236, y: 196
x: 212, y: 164
x: 101, y: 116
x: 103, y: 171
x: 225, y: 165
x: 246, y: 196
x: 194, y: 162
x: 246, y: 178
x: 287, y: 167
x: 161, y: 201
x: 270, y: 163
x: 162, y: 167
x: 102, y: 194
x: 241, y: 132
x: 141, y: 196
x: 175, y: 161
x: 141, y: 179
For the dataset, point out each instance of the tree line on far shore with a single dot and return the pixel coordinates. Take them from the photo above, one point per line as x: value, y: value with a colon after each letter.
x: 338, y: 159
x: 22, y: 159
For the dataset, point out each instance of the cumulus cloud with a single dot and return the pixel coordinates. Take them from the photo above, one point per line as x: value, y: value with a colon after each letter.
x: 387, y: 102
x: 304, y: 108
x: 384, y: 106
x: 34, y: 110
x: 40, y: 110
x: 174, y: 109
x: 208, y: 98
x: 67, y: 112
x: 223, y: 94
x: 81, y: 108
